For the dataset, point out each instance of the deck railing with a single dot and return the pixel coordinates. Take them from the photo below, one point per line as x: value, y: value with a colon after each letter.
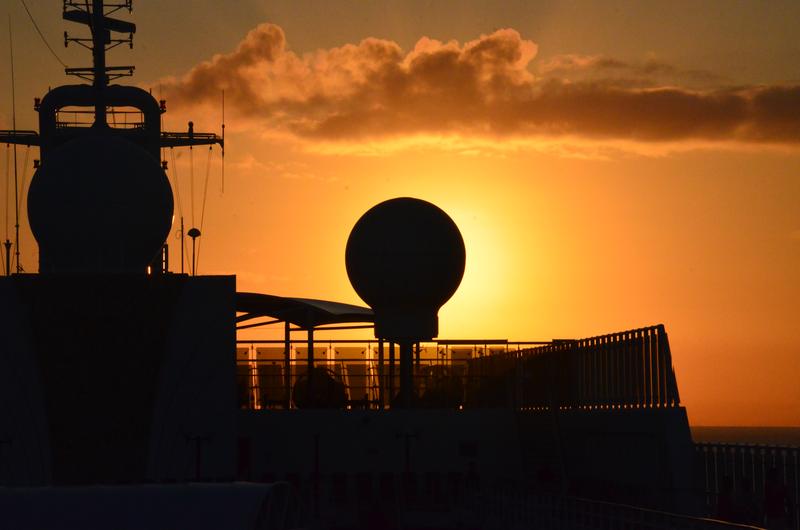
x: 366, y: 377
x: 463, y: 500
x: 765, y: 477
x: 116, y: 118
x: 630, y: 369
x: 517, y: 509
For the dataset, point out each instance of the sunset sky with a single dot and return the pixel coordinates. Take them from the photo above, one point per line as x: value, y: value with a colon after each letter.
x: 611, y: 165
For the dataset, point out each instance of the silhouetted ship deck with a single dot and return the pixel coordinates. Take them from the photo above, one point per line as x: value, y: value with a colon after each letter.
x: 128, y: 402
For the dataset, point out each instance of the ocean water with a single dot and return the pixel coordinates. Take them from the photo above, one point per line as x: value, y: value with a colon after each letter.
x: 751, y: 435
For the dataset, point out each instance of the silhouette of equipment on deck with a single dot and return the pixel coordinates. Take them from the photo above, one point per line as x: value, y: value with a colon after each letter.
x: 443, y: 388
x: 99, y: 203
x: 321, y: 390
x: 405, y: 258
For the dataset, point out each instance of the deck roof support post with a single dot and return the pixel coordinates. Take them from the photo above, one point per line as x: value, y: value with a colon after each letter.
x: 287, y: 364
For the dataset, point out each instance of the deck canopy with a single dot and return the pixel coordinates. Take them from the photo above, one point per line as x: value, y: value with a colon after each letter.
x: 305, y: 313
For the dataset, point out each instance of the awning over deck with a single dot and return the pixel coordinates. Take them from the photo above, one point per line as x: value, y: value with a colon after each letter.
x: 306, y: 313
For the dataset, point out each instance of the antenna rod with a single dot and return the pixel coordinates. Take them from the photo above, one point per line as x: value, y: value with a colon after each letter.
x: 7, y: 245
x: 99, y: 54
x: 182, y: 243
x: 14, y: 126
x: 223, y: 141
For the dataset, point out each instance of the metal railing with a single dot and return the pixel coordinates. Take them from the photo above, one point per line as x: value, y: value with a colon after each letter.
x: 630, y: 369
x: 361, y: 374
x: 765, y: 479
x: 518, y: 509
x: 465, y: 500
x: 115, y: 118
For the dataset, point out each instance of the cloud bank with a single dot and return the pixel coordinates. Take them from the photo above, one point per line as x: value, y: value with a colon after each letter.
x: 489, y: 87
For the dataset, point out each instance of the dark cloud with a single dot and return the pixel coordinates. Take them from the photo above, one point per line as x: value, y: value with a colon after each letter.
x: 650, y: 72
x: 485, y: 87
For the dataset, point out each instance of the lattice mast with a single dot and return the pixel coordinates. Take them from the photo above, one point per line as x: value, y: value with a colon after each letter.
x: 57, y: 138
x: 100, y: 25
x: 106, y: 33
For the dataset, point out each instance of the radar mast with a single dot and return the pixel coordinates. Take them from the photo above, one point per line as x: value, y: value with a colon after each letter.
x: 80, y: 126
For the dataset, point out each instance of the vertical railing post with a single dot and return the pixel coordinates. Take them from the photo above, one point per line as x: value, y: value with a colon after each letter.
x: 672, y: 384
x: 638, y: 354
x: 381, y: 381
x: 665, y: 367
x: 648, y: 368
x: 595, y: 370
x: 603, y: 373
x: 287, y: 365
x: 619, y: 379
x: 575, y: 369
x: 631, y: 369
x: 310, y: 367
x: 605, y: 353
x: 619, y: 376
x: 655, y: 363
x: 391, y: 374
x: 582, y: 371
x: 591, y: 357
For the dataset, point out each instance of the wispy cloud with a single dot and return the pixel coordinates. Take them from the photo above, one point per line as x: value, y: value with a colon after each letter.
x: 650, y: 72
x: 488, y: 88
x: 291, y: 170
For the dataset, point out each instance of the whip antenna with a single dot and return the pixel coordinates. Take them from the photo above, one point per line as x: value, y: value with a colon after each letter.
x: 223, y: 141
x: 14, y: 127
x: 7, y: 242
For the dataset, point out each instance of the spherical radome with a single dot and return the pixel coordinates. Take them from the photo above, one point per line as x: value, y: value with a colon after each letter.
x: 99, y: 204
x: 405, y: 255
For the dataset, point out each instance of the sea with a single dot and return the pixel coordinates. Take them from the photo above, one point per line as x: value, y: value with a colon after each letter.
x: 787, y: 436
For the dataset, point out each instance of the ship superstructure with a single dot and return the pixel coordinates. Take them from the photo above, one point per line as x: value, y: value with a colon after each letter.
x: 124, y: 384
x: 118, y: 202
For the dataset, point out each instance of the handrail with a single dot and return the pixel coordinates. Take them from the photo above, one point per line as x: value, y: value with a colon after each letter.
x: 559, y: 512
x: 629, y: 369
x: 626, y: 370
x: 760, y: 471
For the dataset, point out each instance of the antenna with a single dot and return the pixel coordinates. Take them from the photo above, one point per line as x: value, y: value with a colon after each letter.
x: 14, y: 126
x: 7, y: 245
x: 194, y: 233
x: 183, y: 242
x: 191, y: 169
x: 223, y: 141
x: 7, y: 242
x: 101, y: 40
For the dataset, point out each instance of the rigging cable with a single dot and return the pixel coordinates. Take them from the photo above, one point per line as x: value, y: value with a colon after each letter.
x: 7, y: 244
x: 223, y: 143
x: 191, y: 181
x: 14, y: 127
x: 20, y: 203
x: 203, y: 207
x: 161, y: 119
x: 36, y: 26
x: 184, y: 247
x: 24, y: 179
x: 8, y: 185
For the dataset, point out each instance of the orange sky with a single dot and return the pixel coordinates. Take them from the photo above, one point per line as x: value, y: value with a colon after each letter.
x: 610, y: 167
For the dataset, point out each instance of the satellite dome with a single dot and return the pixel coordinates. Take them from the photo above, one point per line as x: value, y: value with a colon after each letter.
x: 99, y: 204
x: 405, y: 258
